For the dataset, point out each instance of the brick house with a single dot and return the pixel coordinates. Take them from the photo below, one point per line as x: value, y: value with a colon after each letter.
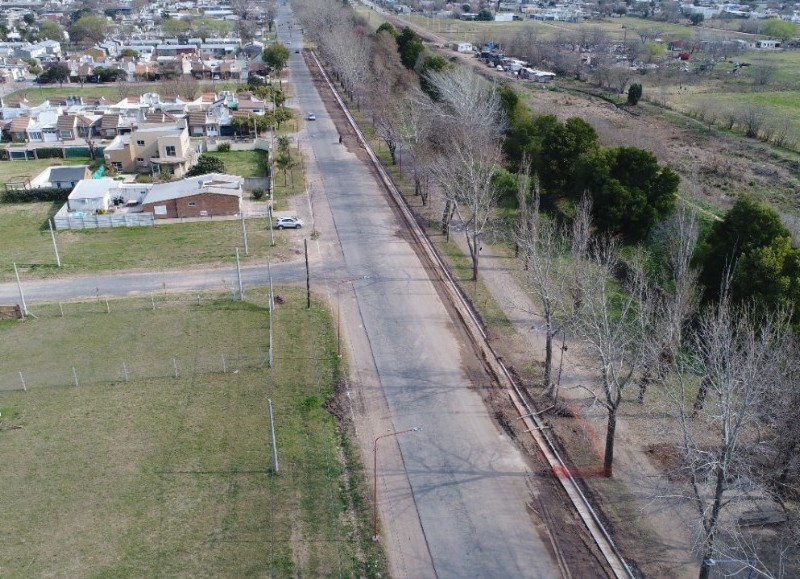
x: 209, y: 195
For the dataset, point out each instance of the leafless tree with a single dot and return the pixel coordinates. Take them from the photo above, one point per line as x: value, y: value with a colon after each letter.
x: 751, y: 118
x: 734, y: 353
x: 581, y: 240
x: 613, y: 324
x: 469, y: 133
x: 678, y: 299
x: 415, y: 129
x: 546, y: 248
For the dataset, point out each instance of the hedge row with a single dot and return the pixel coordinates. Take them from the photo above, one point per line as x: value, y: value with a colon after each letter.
x: 31, y: 195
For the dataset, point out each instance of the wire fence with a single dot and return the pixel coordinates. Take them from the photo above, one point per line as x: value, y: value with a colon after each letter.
x: 102, y: 341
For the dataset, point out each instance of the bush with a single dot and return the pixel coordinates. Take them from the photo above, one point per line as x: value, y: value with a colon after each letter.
x: 223, y: 148
x: 258, y: 193
x: 34, y: 195
x: 50, y: 153
x: 634, y: 93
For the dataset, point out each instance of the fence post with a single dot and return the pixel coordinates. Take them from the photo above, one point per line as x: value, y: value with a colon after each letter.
x: 125, y: 370
x: 75, y: 376
x: 22, y: 379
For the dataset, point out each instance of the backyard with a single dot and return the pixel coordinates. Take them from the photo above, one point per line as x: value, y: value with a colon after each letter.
x: 164, y: 463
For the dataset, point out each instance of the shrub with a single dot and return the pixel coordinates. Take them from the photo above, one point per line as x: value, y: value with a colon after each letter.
x: 223, y: 147
x: 258, y: 193
x: 33, y: 195
x: 634, y: 93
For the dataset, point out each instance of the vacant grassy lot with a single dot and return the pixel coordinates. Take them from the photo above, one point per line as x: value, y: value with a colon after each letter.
x: 18, y: 170
x: 26, y: 241
x: 242, y: 163
x: 173, y: 477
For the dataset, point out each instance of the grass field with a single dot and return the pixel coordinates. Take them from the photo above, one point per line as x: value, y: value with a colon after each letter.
x: 173, y: 477
x: 26, y: 241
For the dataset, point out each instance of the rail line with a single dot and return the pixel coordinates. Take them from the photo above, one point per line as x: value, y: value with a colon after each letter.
x: 527, y: 414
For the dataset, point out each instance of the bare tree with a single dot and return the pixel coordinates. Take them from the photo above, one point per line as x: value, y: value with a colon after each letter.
x: 415, y: 128
x: 751, y: 118
x: 613, y: 324
x: 468, y: 136
x: 581, y: 239
x: 678, y: 299
x: 546, y: 249
x: 735, y: 353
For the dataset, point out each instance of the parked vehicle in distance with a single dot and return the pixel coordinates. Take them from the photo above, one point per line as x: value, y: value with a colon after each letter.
x: 288, y: 223
x: 311, y: 117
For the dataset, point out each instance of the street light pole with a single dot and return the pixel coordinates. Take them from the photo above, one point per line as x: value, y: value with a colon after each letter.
x: 375, y: 476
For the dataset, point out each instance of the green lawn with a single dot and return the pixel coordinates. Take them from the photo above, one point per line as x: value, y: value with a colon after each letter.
x: 242, y: 163
x: 26, y: 241
x: 172, y: 477
x: 18, y: 170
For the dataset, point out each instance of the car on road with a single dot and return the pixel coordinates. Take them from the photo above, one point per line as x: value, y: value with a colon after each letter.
x: 297, y: 51
x: 311, y: 117
x: 288, y: 223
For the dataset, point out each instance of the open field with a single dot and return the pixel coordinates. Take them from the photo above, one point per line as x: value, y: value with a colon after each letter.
x: 26, y: 241
x: 172, y: 476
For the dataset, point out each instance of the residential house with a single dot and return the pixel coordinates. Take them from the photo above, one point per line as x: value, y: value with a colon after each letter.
x: 91, y: 195
x: 247, y: 102
x: 79, y: 126
x: 17, y: 129
x: 203, y: 124
x: 203, y: 196
x: 154, y: 148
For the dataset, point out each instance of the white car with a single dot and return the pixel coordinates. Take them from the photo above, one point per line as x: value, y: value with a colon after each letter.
x: 311, y: 117
x: 288, y: 223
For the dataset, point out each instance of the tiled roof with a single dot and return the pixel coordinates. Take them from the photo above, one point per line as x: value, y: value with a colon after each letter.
x: 109, y: 122
x: 65, y: 122
x: 19, y: 124
x: 197, y: 118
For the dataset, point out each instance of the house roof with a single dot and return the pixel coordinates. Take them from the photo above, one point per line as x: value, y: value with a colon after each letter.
x: 93, y: 188
x: 65, y: 122
x: 109, y: 121
x: 198, y: 118
x: 19, y: 124
x: 214, y: 183
x: 68, y: 173
x: 159, y: 117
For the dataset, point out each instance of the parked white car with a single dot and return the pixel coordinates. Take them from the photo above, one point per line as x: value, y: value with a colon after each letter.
x: 288, y: 223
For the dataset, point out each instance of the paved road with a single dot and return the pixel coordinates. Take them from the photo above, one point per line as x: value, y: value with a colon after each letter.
x: 453, y: 496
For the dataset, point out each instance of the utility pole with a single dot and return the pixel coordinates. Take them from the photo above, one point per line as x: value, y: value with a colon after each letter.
x: 21, y: 294
x: 55, y: 246
x: 244, y: 233
x: 239, y: 275
x: 308, y: 276
x: 274, y: 442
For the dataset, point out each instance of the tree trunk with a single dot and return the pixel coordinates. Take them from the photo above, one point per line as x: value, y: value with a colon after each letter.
x: 711, y: 525
x: 475, y: 250
x: 548, y: 355
x: 392, y: 151
x: 702, y: 392
x: 611, y: 430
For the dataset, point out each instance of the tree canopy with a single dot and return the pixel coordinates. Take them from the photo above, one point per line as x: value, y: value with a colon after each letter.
x: 275, y: 56
x: 90, y: 28
x: 410, y: 46
x: 629, y: 190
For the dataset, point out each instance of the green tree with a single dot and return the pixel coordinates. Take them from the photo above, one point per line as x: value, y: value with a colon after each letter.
x: 128, y: 53
x: 484, y: 15
x: 388, y: 28
x: 206, y: 164
x: 57, y: 72
x: 696, y: 18
x: 430, y: 63
x: 559, y: 147
x: 747, y: 229
x: 90, y: 29
x: 33, y: 66
x: 769, y: 277
x: 50, y: 30
x: 410, y: 46
x: 175, y: 26
x: 275, y: 56
x: 630, y: 191
x: 29, y: 19
x: 634, y: 93
x: 782, y: 29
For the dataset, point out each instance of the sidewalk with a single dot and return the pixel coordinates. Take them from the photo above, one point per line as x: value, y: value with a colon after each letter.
x: 667, y: 543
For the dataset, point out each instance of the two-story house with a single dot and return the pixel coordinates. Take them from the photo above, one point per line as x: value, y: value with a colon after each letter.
x: 153, y: 148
